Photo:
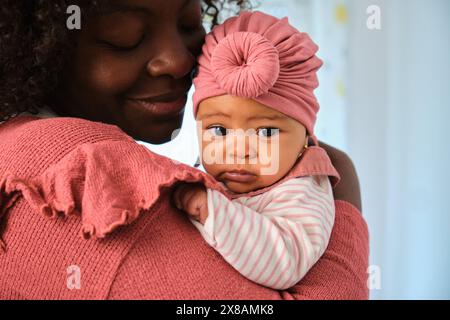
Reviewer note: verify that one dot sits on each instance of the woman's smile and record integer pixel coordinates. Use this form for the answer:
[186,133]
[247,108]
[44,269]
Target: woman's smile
[170,108]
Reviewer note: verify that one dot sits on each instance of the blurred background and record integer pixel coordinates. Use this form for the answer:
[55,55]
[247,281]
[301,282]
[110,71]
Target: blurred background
[385,100]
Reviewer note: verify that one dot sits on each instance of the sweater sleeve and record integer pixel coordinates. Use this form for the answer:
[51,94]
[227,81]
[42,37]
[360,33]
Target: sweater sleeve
[273,239]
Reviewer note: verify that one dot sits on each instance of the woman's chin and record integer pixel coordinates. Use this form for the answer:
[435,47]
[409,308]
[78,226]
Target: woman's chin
[157,133]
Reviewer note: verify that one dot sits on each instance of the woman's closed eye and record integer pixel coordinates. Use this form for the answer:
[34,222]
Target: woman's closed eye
[123,45]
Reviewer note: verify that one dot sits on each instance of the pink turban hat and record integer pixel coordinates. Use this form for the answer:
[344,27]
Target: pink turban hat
[264,58]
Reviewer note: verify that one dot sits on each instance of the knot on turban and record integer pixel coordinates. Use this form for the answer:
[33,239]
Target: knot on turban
[245,64]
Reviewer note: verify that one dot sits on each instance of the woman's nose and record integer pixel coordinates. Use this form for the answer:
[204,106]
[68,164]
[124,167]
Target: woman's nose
[172,58]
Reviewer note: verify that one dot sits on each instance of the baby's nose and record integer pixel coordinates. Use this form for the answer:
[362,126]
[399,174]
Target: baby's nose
[241,147]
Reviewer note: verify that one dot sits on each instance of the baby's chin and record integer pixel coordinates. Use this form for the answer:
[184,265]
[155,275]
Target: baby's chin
[240,188]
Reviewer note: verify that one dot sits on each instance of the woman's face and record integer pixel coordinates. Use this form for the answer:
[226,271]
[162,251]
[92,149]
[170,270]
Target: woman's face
[132,67]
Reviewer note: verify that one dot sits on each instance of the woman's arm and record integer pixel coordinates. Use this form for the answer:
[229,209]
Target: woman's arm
[348,188]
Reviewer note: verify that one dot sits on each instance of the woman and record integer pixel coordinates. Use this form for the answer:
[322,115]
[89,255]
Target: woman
[129,67]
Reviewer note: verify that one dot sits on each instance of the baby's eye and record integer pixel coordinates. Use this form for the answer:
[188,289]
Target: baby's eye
[267,132]
[218,131]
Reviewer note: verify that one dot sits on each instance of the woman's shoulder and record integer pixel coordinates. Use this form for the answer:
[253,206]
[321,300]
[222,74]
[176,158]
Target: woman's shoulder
[40,142]
[60,128]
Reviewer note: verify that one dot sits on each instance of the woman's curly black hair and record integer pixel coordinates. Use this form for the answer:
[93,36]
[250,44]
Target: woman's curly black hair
[34,43]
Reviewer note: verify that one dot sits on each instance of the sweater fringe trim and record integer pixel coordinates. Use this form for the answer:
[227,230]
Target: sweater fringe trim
[12,188]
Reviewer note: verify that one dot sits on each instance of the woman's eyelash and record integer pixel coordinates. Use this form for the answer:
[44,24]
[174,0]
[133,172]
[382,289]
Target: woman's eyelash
[122,48]
[117,47]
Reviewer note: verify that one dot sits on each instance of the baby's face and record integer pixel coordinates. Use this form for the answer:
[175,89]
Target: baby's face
[245,144]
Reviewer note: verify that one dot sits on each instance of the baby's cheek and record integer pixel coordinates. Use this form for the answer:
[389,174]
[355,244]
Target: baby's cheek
[213,152]
[212,169]
[269,158]
[282,161]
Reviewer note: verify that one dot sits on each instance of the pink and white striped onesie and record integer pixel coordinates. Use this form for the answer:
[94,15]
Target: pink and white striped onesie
[272,238]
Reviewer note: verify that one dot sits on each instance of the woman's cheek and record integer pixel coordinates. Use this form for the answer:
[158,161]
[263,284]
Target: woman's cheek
[112,75]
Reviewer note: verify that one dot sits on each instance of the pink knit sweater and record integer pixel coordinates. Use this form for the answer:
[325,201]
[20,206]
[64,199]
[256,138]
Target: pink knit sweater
[84,194]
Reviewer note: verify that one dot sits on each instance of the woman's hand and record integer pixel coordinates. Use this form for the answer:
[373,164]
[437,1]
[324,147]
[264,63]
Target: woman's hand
[192,199]
[348,188]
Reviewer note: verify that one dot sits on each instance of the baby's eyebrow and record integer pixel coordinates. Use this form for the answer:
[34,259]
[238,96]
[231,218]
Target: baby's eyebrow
[215,114]
[259,117]
[267,117]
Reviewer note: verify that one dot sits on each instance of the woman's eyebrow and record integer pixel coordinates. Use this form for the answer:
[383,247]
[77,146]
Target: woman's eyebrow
[120,7]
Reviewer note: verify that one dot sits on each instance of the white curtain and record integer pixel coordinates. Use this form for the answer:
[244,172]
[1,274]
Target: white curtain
[397,135]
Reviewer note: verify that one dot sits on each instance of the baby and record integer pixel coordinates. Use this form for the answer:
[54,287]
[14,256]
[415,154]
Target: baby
[256,110]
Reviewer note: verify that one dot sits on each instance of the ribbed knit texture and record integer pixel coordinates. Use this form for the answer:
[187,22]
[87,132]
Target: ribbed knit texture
[65,178]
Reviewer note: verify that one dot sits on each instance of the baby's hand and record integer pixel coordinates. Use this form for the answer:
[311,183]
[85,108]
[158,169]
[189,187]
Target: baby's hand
[192,199]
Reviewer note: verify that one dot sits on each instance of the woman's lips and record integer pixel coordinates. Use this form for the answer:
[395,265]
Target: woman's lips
[159,108]
[240,176]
